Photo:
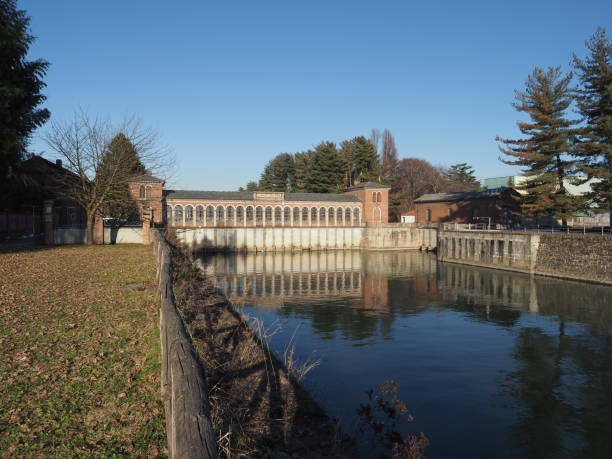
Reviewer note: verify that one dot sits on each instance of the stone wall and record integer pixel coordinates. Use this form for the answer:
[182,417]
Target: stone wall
[579,256]
[398,236]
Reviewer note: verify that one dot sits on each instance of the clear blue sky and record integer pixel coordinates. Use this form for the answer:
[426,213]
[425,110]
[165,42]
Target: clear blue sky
[231,84]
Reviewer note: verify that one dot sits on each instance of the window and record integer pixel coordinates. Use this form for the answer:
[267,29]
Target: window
[230,214]
[148,192]
[278,215]
[373,196]
[339,215]
[189,213]
[347,216]
[356,217]
[268,214]
[313,215]
[249,214]
[220,214]
[210,214]
[178,214]
[330,216]
[240,214]
[287,215]
[304,215]
[259,214]
[322,214]
[296,215]
[141,192]
[428,215]
[379,196]
[199,214]
[450,213]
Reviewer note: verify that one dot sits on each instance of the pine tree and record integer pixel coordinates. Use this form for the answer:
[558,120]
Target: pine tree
[544,153]
[594,100]
[326,172]
[366,165]
[460,177]
[278,173]
[20,91]
[302,163]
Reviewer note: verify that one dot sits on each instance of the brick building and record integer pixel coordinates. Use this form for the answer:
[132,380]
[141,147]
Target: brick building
[362,203]
[495,206]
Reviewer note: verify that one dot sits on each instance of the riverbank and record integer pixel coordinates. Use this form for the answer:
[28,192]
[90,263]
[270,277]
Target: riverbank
[258,407]
[79,352]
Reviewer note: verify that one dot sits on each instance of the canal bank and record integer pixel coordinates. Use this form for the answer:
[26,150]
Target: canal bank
[582,257]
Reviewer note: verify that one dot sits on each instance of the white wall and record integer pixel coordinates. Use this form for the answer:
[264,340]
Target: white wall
[123,235]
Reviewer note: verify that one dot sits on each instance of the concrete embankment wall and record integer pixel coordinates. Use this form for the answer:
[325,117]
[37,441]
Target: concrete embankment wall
[391,236]
[572,256]
[508,250]
[124,235]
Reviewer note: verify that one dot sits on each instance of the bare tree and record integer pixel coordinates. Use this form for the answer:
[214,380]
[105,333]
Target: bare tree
[389,154]
[414,177]
[375,138]
[99,174]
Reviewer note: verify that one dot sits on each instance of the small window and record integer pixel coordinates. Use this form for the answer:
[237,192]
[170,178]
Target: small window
[141,192]
[379,196]
[373,196]
[428,213]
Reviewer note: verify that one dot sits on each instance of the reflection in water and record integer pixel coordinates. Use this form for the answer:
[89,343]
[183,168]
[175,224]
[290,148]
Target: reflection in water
[491,362]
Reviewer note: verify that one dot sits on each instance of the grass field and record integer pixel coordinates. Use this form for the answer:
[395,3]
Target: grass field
[79,353]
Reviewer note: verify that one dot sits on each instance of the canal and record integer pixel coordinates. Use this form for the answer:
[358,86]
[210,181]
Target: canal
[490,363]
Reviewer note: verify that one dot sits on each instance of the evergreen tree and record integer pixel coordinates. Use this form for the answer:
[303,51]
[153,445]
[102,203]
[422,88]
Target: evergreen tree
[278,174]
[121,149]
[544,153]
[252,186]
[366,166]
[594,100]
[326,172]
[460,177]
[302,162]
[20,90]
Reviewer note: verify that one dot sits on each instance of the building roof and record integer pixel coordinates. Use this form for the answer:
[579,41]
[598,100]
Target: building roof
[249,196]
[463,195]
[362,185]
[146,178]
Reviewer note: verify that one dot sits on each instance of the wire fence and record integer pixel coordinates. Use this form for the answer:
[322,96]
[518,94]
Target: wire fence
[602,230]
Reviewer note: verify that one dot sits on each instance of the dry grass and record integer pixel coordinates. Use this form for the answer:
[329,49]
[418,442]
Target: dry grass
[79,354]
[258,407]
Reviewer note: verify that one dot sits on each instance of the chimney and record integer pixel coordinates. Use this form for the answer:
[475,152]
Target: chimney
[58,162]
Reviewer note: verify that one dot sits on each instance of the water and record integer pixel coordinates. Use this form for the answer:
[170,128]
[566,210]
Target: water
[490,363]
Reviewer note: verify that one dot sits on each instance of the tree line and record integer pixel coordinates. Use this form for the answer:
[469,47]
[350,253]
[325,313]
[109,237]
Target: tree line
[331,168]
[557,149]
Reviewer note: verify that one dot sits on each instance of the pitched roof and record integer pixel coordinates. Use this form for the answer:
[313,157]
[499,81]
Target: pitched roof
[248,196]
[146,178]
[362,185]
[463,195]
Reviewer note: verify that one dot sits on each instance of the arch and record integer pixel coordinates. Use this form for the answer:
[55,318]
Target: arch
[199,214]
[178,214]
[240,215]
[356,216]
[141,192]
[188,213]
[347,216]
[287,215]
[339,219]
[210,215]
[278,215]
[250,215]
[331,216]
[268,214]
[313,215]
[168,213]
[230,214]
[296,215]
[322,214]
[304,215]
[220,214]
[258,214]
